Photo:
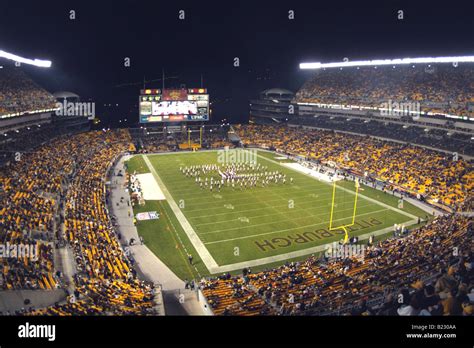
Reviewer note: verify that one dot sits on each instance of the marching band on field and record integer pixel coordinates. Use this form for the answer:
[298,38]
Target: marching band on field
[238,175]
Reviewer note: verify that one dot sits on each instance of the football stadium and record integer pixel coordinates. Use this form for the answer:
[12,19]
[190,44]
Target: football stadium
[347,193]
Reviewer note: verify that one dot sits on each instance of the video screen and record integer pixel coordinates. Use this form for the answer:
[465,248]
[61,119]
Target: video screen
[145,108]
[166,108]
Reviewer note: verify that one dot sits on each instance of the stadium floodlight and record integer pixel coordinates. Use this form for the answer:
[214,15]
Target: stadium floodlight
[36,62]
[398,61]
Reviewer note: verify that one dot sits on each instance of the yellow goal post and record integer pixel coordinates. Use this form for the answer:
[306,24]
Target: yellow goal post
[354,210]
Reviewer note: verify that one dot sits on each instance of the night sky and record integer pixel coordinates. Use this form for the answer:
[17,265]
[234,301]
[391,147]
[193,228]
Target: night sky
[88,52]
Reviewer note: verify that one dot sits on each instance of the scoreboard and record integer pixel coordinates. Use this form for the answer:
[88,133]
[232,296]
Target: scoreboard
[174,105]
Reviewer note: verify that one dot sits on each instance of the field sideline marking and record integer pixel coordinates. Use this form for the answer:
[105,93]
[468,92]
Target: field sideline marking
[180,241]
[204,254]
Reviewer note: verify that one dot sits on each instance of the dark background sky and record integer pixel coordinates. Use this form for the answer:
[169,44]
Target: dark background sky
[88,52]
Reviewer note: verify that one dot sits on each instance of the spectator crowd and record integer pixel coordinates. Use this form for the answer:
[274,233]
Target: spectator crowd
[19,94]
[69,173]
[444,139]
[443,89]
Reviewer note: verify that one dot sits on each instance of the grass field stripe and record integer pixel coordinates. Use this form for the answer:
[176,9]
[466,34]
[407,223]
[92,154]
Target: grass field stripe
[268,200]
[204,254]
[219,203]
[258,216]
[237,192]
[362,196]
[285,230]
[272,207]
[320,222]
[252,217]
[257,209]
[284,198]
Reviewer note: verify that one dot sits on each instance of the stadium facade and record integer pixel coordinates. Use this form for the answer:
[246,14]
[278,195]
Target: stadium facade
[273,105]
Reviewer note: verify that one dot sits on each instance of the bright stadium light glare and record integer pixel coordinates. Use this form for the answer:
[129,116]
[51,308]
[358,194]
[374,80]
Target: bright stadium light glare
[36,62]
[398,61]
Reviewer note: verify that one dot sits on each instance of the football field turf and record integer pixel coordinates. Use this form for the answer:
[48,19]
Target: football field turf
[263,225]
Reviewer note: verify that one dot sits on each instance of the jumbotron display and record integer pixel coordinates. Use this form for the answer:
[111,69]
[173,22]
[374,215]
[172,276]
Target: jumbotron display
[174,105]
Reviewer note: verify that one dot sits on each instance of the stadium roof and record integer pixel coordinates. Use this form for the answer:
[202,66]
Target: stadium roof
[36,62]
[421,60]
[277,91]
[65,94]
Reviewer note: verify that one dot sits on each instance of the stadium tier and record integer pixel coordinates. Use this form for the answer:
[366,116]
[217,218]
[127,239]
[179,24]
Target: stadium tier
[440,89]
[273,105]
[20,95]
[441,137]
[66,177]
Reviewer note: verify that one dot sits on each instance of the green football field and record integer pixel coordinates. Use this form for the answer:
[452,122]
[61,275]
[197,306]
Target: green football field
[256,226]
